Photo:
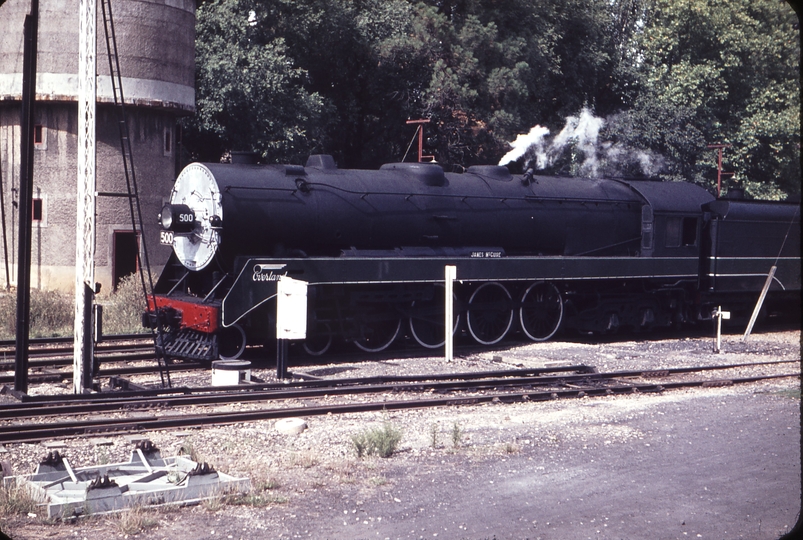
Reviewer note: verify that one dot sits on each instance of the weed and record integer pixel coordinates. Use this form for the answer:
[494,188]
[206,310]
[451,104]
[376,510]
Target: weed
[267,484]
[433,433]
[52,313]
[188,449]
[258,496]
[134,520]
[378,481]
[214,503]
[305,460]
[344,469]
[255,499]
[103,457]
[457,435]
[16,500]
[378,441]
[511,448]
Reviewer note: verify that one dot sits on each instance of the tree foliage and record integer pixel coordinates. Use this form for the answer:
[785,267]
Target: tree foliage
[718,72]
[286,78]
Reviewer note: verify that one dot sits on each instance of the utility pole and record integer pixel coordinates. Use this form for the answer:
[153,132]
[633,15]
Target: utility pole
[420,131]
[719,148]
[31,31]
[83,344]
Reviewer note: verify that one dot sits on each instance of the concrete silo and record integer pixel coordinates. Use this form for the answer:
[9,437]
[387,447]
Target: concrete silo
[155,40]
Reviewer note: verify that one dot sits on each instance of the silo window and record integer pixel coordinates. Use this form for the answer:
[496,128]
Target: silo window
[38,210]
[168,138]
[39,134]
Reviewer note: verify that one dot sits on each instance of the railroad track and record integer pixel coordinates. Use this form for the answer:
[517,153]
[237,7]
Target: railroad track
[51,359]
[49,355]
[51,363]
[65,343]
[444,390]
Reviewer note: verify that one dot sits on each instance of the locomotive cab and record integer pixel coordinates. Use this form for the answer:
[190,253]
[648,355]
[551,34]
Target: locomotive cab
[670,218]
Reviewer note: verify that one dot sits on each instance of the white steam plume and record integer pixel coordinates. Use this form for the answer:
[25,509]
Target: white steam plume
[591,157]
[523,143]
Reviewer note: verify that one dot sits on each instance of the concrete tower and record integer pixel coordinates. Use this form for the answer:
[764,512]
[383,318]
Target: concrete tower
[156,44]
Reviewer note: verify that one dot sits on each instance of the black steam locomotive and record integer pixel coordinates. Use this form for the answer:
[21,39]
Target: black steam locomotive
[533,254]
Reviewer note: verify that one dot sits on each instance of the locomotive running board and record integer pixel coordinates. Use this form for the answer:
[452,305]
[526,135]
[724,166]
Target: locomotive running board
[256,282]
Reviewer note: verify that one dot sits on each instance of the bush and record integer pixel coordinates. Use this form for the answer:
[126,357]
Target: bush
[123,308]
[379,441]
[52,314]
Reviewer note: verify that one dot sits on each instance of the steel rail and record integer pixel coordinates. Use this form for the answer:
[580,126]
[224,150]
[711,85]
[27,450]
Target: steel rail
[216,395]
[107,372]
[316,388]
[238,395]
[45,341]
[62,359]
[305,383]
[38,432]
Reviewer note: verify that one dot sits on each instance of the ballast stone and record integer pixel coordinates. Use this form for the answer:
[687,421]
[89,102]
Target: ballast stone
[290,426]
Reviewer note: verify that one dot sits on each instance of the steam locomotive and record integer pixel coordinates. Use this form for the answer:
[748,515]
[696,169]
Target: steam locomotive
[533,255]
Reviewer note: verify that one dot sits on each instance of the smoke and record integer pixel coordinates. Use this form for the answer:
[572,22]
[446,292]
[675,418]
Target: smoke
[578,151]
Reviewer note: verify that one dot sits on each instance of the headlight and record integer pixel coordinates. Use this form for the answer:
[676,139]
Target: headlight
[178,218]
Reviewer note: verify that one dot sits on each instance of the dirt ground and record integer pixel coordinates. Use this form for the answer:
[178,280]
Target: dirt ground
[712,463]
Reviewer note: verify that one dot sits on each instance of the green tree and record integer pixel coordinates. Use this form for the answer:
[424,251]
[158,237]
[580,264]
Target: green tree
[488,70]
[250,94]
[336,43]
[291,77]
[341,76]
[716,71]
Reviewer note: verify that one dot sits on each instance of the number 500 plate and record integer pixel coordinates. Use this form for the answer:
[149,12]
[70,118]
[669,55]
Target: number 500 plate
[166,238]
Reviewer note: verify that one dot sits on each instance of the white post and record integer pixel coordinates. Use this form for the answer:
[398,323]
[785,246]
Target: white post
[85,194]
[450,275]
[760,302]
[291,318]
[719,314]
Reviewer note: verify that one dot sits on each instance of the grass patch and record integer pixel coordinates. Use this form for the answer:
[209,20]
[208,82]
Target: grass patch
[793,393]
[268,484]
[16,500]
[134,520]
[260,495]
[52,314]
[256,499]
[215,503]
[304,460]
[378,481]
[382,441]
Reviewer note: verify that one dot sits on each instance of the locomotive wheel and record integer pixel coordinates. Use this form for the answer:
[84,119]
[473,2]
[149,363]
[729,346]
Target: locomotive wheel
[489,314]
[231,342]
[378,332]
[427,321]
[541,311]
[319,339]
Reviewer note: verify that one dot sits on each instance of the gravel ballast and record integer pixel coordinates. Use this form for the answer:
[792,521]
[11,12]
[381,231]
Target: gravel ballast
[718,462]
